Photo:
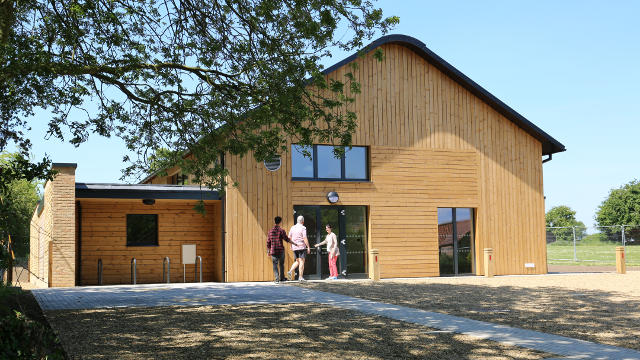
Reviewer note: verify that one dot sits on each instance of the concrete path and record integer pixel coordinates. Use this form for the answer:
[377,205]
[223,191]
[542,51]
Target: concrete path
[268,293]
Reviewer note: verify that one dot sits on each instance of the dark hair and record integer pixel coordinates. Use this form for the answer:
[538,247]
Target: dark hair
[278,219]
[329,226]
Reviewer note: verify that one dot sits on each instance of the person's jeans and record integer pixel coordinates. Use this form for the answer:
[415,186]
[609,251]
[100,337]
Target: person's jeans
[333,269]
[278,264]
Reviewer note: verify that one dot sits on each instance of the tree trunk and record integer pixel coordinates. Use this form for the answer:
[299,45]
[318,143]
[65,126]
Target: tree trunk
[6,20]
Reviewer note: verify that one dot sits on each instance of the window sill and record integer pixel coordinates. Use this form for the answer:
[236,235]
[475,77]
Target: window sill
[332,180]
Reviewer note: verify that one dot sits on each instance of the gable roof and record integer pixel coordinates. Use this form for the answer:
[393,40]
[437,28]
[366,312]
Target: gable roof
[549,144]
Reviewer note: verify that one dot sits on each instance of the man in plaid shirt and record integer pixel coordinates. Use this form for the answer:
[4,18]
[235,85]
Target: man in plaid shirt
[275,248]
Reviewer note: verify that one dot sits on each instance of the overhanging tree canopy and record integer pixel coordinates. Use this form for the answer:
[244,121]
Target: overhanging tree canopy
[165,73]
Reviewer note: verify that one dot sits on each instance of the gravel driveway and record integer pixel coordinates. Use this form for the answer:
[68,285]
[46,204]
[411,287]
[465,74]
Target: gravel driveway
[603,308]
[261,331]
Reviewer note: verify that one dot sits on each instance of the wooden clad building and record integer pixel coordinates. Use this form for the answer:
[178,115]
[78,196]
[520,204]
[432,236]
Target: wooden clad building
[439,170]
[432,148]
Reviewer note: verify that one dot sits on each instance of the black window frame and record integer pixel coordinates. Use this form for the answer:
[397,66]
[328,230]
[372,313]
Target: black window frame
[314,158]
[178,179]
[129,244]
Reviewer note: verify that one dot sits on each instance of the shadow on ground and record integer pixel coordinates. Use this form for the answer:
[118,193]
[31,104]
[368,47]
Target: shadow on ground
[596,316]
[261,331]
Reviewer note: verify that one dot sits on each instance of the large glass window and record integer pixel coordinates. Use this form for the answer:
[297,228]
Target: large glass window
[323,165]
[329,167]
[355,163]
[142,229]
[301,166]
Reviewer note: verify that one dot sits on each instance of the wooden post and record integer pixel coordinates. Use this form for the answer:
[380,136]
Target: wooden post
[621,267]
[374,272]
[488,262]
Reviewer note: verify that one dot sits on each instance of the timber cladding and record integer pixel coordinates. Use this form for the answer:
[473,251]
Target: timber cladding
[103,235]
[432,143]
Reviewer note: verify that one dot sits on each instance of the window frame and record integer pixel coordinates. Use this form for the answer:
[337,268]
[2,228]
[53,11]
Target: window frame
[177,179]
[157,220]
[314,158]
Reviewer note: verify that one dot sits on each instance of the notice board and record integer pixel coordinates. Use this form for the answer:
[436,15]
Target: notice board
[188,254]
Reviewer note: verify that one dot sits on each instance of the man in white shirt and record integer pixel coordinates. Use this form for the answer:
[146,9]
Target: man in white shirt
[300,247]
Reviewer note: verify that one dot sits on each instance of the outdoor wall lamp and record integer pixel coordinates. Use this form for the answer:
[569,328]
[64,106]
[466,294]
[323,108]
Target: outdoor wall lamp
[148,201]
[332,197]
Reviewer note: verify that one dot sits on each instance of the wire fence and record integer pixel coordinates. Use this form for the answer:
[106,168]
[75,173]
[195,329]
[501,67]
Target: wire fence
[593,245]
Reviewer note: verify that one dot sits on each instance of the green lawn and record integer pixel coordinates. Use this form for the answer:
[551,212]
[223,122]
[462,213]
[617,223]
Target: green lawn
[590,254]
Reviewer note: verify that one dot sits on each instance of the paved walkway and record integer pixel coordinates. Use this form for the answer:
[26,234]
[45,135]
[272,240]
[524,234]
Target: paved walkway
[268,293]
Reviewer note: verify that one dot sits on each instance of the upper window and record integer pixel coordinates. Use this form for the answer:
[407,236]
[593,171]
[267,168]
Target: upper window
[142,229]
[178,179]
[324,165]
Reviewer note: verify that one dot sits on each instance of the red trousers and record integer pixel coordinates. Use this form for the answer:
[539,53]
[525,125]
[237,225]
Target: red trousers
[333,269]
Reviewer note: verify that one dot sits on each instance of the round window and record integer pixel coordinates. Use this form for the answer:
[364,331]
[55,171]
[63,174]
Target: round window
[273,164]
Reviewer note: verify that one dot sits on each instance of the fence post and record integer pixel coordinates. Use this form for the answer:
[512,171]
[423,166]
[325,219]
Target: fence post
[623,237]
[575,255]
[621,267]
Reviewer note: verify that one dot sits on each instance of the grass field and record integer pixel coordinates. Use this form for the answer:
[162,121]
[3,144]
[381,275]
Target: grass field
[590,254]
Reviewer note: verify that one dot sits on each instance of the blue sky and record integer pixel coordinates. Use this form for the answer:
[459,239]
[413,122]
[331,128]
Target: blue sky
[570,67]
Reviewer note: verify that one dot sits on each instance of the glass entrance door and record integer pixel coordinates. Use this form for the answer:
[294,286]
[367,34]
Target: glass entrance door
[355,230]
[455,240]
[349,225]
[311,217]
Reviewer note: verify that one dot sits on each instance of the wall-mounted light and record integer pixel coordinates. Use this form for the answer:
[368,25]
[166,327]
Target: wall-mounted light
[332,197]
[148,201]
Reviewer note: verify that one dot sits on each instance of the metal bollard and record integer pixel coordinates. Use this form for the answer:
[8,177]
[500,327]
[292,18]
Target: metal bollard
[489,270]
[199,259]
[166,272]
[621,266]
[374,272]
[99,271]
[133,271]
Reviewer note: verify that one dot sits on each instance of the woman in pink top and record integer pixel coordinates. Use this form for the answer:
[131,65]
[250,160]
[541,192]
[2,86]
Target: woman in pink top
[299,243]
[332,250]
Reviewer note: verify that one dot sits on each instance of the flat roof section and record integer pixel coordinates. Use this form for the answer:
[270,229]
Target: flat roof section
[144,191]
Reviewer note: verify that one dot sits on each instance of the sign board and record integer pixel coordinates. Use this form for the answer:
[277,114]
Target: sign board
[188,254]
[529,265]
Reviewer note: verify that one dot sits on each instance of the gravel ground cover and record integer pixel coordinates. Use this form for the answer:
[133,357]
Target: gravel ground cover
[261,331]
[603,308]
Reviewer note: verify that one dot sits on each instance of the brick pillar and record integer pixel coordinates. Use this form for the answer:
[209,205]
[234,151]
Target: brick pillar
[63,232]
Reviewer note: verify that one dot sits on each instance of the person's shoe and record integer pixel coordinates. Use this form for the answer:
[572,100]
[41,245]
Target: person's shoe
[276,282]
[289,275]
[283,279]
[303,279]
